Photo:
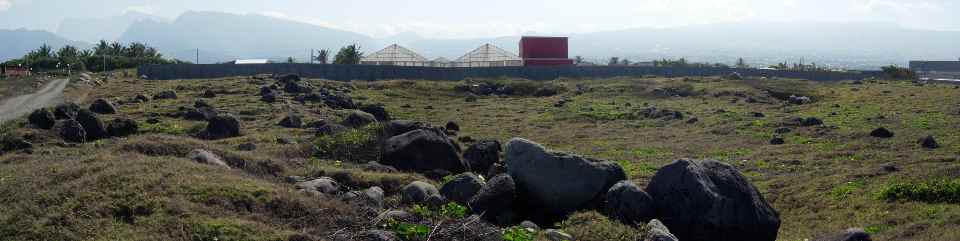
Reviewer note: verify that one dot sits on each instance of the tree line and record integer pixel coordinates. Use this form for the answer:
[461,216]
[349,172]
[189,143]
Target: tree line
[102,56]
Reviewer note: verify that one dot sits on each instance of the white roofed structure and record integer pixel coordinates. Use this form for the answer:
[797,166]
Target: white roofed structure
[252,61]
[488,55]
[395,55]
[440,62]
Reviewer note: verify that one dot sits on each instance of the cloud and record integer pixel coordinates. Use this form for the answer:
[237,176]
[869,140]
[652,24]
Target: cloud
[5,4]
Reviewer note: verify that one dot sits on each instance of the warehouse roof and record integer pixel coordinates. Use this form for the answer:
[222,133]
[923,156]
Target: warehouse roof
[487,53]
[395,53]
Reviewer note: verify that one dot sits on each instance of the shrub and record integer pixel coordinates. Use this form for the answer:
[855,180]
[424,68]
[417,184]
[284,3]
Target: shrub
[409,231]
[356,145]
[897,72]
[589,226]
[517,233]
[938,191]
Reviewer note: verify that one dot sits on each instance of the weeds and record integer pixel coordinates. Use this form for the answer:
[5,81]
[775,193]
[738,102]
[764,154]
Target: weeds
[517,233]
[841,192]
[409,231]
[163,128]
[357,145]
[938,191]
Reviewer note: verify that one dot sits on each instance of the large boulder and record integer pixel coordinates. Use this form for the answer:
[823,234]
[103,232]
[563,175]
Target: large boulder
[291,121]
[358,119]
[482,155]
[656,231]
[853,234]
[166,94]
[207,157]
[371,196]
[92,124]
[554,184]
[710,200]
[296,87]
[399,127]
[929,142]
[121,127]
[462,187]
[42,118]
[417,192]
[102,106]
[198,113]
[377,111]
[66,111]
[221,127]
[71,131]
[629,204]
[422,150]
[339,100]
[319,186]
[495,199]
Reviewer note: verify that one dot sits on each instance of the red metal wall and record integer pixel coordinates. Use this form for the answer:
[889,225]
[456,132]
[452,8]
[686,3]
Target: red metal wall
[543,47]
[547,62]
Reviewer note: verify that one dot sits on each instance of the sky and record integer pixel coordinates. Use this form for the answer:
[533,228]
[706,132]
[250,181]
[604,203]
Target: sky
[492,18]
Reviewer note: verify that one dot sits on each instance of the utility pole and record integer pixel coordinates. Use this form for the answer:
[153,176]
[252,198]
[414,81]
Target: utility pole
[198,56]
[311,56]
[104,63]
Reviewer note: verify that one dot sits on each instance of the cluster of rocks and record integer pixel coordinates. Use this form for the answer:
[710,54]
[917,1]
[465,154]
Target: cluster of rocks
[696,200]
[337,98]
[492,88]
[75,124]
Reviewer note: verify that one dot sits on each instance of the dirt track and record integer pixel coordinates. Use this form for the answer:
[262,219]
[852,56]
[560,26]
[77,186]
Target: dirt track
[21,105]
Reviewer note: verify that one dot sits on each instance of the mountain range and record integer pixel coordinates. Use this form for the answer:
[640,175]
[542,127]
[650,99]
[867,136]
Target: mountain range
[222,37]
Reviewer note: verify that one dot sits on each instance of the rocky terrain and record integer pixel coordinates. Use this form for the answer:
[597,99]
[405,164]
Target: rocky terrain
[285,158]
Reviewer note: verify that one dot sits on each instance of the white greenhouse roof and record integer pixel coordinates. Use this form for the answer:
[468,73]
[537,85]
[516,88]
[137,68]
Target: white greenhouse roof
[394,53]
[488,53]
[252,61]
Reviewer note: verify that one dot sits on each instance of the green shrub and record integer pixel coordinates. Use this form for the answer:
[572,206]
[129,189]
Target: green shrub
[356,145]
[453,210]
[589,226]
[409,231]
[938,191]
[163,128]
[517,233]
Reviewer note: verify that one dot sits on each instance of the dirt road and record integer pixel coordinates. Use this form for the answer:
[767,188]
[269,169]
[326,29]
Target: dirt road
[21,105]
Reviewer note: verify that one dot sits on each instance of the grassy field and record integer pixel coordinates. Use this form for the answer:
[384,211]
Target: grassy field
[823,179]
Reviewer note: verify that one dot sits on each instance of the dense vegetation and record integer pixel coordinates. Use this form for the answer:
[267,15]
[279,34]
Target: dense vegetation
[103,56]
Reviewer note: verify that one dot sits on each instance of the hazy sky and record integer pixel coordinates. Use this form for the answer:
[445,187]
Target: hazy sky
[487,18]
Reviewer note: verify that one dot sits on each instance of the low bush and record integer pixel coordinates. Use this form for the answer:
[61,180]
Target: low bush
[937,191]
[356,145]
[589,226]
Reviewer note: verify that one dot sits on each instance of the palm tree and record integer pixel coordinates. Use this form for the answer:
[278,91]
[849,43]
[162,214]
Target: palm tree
[349,55]
[323,56]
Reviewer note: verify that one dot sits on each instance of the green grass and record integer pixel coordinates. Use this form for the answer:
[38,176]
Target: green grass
[938,191]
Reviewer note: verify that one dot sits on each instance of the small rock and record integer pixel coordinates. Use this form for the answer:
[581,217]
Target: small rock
[247,147]
[693,120]
[358,119]
[122,127]
[530,225]
[331,129]
[166,94]
[377,110]
[799,100]
[294,179]
[758,115]
[206,157]
[320,186]
[208,94]
[201,104]
[471,97]
[782,130]
[453,126]
[889,168]
[881,133]
[929,143]
[853,234]
[397,215]
[141,98]
[418,192]
[102,106]
[436,201]
[777,141]
[377,235]
[377,167]
[269,97]
[557,235]
[656,231]
[811,121]
[285,141]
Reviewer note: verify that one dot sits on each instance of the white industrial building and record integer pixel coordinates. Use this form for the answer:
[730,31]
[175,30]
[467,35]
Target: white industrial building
[395,55]
[488,55]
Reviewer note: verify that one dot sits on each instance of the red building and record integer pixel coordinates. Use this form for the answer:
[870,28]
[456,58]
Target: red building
[544,51]
[12,71]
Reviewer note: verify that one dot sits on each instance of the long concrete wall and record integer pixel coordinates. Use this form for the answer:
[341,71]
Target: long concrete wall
[373,72]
